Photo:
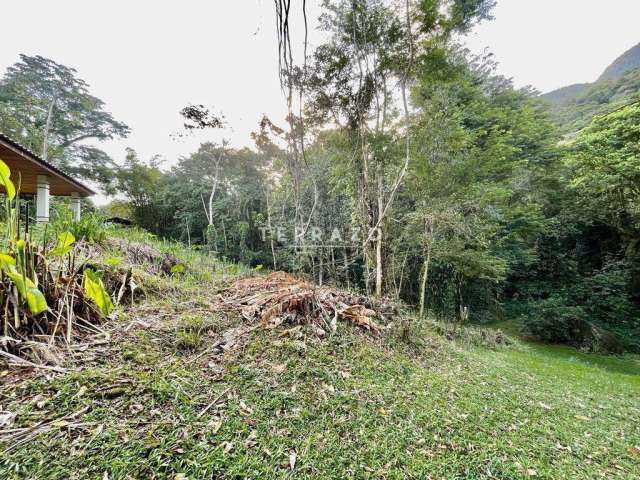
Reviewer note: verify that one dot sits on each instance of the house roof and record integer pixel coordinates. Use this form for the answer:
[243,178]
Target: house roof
[28,165]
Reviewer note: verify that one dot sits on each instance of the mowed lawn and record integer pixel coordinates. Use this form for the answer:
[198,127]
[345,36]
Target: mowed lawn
[286,404]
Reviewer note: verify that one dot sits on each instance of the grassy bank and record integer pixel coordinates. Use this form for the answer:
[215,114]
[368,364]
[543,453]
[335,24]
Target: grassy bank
[159,401]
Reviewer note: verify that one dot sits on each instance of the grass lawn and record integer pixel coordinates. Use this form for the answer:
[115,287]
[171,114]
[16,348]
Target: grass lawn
[159,402]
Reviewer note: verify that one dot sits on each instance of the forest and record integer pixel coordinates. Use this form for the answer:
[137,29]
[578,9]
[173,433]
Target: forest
[406,168]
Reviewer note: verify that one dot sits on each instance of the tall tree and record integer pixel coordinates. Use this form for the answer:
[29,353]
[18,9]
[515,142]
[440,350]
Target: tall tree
[46,106]
[374,49]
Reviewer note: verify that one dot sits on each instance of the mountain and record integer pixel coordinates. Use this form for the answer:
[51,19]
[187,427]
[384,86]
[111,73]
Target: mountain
[572,107]
[629,60]
[567,93]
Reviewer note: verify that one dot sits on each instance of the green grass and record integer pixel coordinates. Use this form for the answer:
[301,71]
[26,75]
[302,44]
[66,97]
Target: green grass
[349,406]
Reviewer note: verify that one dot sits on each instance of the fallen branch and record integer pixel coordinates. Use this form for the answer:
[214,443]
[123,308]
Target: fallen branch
[26,363]
[217,399]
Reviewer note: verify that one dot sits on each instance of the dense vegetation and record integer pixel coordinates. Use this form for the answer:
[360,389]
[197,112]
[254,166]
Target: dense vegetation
[574,112]
[407,168]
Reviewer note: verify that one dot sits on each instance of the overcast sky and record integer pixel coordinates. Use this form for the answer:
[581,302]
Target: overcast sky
[149,58]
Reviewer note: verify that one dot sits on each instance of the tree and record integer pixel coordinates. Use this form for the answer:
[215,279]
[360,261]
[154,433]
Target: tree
[605,158]
[374,48]
[141,182]
[46,106]
[605,161]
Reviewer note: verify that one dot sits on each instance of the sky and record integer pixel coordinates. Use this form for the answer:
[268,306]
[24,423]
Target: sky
[146,59]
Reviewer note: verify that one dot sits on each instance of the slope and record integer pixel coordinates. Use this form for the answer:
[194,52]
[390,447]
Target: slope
[187,388]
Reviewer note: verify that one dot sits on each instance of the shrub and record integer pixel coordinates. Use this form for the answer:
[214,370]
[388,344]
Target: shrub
[555,320]
[90,228]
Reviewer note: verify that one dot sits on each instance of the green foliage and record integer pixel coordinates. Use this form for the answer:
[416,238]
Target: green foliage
[90,228]
[179,268]
[65,244]
[574,111]
[605,158]
[94,288]
[554,321]
[470,205]
[27,289]
[191,330]
[9,187]
[17,262]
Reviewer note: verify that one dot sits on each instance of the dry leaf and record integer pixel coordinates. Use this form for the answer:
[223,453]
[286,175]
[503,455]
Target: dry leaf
[279,368]
[251,439]
[215,425]
[531,472]
[292,460]
[245,407]
[7,418]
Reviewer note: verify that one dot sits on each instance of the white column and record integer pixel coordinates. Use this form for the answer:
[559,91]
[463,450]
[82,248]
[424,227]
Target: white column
[75,205]
[42,199]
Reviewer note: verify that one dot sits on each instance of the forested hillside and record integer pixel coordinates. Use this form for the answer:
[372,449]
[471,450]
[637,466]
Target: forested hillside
[629,60]
[573,107]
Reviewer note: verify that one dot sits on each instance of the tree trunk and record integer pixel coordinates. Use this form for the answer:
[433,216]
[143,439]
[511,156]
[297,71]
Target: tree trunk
[425,277]
[224,237]
[47,128]
[379,239]
[379,263]
[334,274]
[346,266]
[404,263]
[273,250]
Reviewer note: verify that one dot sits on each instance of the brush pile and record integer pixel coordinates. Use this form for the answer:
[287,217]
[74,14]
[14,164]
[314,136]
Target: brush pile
[137,253]
[282,298]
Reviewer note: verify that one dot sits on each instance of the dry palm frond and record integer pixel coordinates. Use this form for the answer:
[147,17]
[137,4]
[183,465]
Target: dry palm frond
[274,298]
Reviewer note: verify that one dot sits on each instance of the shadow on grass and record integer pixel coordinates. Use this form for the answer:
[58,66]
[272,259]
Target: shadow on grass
[628,364]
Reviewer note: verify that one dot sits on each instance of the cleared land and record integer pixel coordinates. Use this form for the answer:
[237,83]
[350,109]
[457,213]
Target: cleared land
[184,389]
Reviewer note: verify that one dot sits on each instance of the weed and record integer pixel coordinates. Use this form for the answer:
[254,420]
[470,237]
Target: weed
[191,331]
[90,228]
[188,340]
[491,338]
[45,290]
